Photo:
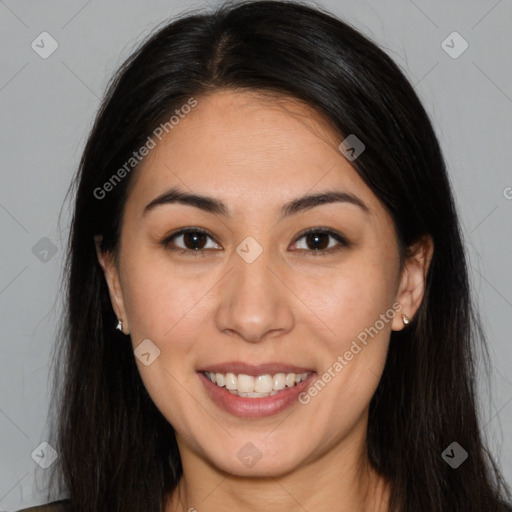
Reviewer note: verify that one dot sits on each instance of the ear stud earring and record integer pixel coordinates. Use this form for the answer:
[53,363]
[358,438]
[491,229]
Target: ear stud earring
[405,319]
[119,326]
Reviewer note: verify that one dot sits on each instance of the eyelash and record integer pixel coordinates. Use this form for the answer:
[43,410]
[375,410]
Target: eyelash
[343,243]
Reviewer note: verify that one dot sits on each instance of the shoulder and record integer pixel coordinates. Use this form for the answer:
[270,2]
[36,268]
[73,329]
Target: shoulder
[54,506]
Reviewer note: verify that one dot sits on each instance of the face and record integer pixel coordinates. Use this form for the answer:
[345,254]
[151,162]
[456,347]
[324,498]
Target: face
[250,292]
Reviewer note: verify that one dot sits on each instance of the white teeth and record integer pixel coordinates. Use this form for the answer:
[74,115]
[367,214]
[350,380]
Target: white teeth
[279,381]
[290,380]
[245,384]
[229,380]
[256,387]
[263,384]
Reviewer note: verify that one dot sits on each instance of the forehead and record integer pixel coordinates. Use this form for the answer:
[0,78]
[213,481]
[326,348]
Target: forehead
[250,149]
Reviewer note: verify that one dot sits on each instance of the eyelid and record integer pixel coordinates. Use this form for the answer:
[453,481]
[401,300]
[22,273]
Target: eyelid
[343,242]
[341,239]
[183,231]
[323,229]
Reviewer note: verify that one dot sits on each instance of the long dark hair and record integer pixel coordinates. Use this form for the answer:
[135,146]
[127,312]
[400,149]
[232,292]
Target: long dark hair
[116,450]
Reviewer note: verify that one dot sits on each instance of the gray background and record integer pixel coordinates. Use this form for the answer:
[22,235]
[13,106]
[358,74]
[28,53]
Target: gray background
[47,107]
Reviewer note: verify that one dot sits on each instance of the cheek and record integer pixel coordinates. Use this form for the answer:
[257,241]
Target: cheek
[351,299]
[164,306]
[160,298]
[355,305]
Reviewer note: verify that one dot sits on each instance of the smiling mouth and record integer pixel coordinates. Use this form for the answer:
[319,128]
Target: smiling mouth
[259,386]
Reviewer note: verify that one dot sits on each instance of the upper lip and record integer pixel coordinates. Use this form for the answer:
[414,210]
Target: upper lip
[254,370]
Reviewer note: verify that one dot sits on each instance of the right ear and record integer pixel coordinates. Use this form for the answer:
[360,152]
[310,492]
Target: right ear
[111,272]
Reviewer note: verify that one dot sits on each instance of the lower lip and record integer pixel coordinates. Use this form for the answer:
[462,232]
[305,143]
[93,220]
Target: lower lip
[254,407]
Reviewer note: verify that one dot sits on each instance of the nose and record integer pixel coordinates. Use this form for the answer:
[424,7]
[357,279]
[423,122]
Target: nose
[255,302]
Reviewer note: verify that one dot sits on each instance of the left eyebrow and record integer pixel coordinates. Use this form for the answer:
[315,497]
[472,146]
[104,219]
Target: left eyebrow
[216,206]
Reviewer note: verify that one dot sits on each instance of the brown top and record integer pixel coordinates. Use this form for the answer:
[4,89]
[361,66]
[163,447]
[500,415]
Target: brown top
[54,506]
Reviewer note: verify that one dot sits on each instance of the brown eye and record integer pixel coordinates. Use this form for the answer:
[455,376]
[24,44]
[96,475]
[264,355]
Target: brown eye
[317,241]
[190,240]
[194,240]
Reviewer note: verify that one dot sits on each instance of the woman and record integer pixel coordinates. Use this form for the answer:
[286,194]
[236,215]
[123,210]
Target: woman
[268,301]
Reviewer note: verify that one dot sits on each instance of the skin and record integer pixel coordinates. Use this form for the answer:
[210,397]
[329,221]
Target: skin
[255,154]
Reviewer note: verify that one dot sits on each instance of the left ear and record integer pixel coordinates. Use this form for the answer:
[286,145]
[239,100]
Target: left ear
[413,278]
